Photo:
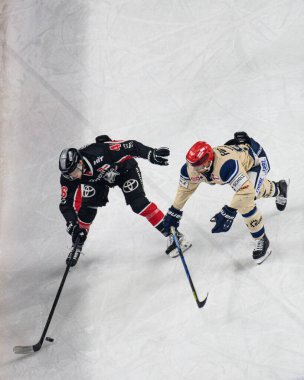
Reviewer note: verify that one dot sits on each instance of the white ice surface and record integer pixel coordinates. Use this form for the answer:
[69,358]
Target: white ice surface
[166,73]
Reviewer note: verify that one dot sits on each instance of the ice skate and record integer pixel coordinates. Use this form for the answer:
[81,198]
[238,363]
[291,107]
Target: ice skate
[171,246]
[262,250]
[281,199]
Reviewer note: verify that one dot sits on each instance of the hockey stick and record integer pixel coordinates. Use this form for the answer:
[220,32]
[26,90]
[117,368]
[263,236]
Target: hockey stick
[200,304]
[37,346]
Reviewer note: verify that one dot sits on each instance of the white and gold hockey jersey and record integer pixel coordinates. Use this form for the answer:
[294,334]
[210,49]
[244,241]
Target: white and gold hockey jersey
[244,168]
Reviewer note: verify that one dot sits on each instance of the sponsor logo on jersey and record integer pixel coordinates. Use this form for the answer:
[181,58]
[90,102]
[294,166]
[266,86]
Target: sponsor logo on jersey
[98,160]
[88,191]
[128,145]
[238,181]
[97,179]
[183,182]
[255,222]
[130,185]
[115,147]
[196,179]
[264,165]
[259,185]
[103,168]
[139,175]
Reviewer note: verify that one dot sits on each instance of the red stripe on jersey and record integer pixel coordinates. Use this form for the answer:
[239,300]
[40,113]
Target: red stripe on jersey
[123,159]
[77,199]
[153,214]
[84,225]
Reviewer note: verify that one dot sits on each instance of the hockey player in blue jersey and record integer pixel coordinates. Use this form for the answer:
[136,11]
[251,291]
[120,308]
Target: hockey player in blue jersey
[243,164]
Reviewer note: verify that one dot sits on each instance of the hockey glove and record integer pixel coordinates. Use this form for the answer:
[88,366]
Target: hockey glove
[75,231]
[172,219]
[223,219]
[157,156]
[109,173]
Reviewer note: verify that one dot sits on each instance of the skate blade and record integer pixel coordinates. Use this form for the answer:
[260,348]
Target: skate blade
[173,254]
[263,258]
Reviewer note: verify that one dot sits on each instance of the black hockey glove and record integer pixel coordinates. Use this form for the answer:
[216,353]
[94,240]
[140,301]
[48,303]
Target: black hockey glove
[239,138]
[172,219]
[75,231]
[223,219]
[157,156]
[109,173]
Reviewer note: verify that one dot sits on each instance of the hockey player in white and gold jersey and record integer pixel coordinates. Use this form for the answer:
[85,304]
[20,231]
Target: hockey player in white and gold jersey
[242,163]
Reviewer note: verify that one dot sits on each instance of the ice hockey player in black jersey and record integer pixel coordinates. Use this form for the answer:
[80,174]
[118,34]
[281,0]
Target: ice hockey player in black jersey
[243,164]
[87,175]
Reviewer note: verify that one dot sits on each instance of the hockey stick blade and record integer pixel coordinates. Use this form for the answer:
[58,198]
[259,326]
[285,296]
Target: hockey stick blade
[201,304]
[27,349]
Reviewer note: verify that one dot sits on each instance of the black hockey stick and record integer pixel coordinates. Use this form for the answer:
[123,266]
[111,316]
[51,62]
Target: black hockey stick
[200,304]
[37,346]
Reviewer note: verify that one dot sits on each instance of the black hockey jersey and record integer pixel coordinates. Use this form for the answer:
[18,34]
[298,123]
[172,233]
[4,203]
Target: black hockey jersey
[97,158]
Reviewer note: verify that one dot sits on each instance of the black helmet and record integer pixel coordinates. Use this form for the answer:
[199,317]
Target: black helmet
[68,160]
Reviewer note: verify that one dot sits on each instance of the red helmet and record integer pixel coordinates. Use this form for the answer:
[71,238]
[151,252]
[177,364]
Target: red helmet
[199,153]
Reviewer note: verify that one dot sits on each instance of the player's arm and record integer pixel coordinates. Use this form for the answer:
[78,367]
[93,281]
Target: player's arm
[185,189]
[68,201]
[133,148]
[234,174]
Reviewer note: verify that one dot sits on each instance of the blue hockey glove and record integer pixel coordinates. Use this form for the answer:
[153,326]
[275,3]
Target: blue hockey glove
[172,219]
[157,156]
[223,219]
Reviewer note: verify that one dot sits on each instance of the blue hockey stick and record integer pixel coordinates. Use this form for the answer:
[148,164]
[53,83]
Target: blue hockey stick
[200,304]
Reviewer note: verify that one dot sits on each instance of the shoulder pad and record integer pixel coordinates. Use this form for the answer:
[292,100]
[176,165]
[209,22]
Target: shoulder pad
[85,147]
[184,178]
[184,172]
[229,170]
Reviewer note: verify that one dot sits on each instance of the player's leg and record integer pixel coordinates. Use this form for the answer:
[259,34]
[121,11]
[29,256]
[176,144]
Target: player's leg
[255,224]
[278,190]
[93,196]
[131,185]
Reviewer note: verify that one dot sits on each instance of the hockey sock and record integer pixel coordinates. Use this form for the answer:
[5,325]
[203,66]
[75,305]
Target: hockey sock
[154,216]
[254,223]
[269,189]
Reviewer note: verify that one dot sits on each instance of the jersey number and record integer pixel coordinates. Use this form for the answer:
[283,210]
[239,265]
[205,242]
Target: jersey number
[223,152]
[64,192]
